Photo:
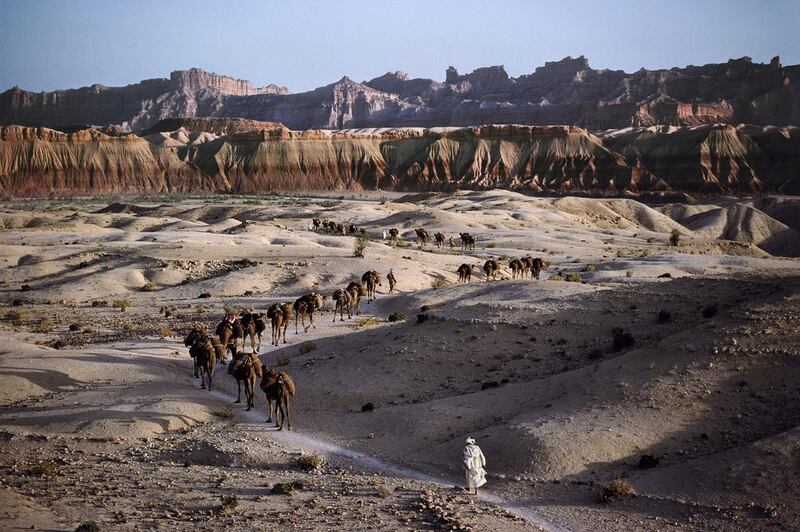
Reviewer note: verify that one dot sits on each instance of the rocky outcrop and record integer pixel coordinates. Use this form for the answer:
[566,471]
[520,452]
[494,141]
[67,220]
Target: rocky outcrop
[567,92]
[558,159]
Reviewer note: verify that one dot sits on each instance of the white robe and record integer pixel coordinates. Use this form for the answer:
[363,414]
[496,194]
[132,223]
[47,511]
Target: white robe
[474,463]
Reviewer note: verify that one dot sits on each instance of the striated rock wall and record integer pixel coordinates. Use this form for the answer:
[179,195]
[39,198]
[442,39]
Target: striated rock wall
[559,159]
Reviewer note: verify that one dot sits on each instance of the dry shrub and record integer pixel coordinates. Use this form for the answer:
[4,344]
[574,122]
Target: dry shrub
[596,354]
[573,277]
[122,304]
[45,469]
[282,361]
[43,326]
[200,309]
[229,504]
[129,326]
[165,331]
[397,316]
[286,488]
[555,277]
[616,490]
[15,317]
[149,287]
[628,274]
[438,282]
[360,245]
[310,462]
[675,237]
[307,347]
[225,412]
[591,267]
[365,322]
[491,245]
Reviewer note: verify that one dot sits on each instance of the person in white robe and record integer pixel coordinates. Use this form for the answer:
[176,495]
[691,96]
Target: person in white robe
[474,463]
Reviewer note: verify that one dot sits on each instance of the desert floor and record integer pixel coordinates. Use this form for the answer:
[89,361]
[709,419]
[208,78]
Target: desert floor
[687,353]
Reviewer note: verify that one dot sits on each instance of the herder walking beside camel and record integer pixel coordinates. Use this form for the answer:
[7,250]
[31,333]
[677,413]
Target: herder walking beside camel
[474,463]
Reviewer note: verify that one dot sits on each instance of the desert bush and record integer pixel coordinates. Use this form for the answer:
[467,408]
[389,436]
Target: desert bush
[491,245]
[438,282]
[710,311]
[397,316]
[591,267]
[616,490]
[129,326]
[75,327]
[365,322]
[225,412]
[360,245]
[200,309]
[621,339]
[99,303]
[573,277]
[229,504]
[664,316]
[286,488]
[675,237]
[15,317]
[45,469]
[310,462]
[555,277]
[165,331]
[629,274]
[282,361]
[149,287]
[122,304]
[43,326]
[307,347]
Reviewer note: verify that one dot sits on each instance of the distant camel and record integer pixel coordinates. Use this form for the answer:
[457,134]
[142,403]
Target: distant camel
[306,306]
[278,387]
[329,226]
[253,324]
[394,234]
[279,314]
[229,331]
[439,237]
[491,269]
[339,229]
[422,236]
[316,222]
[353,228]
[392,280]
[204,350]
[465,272]
[467,242]
[517,268]
[245,369]
[536,267]
[344,302]
[357,291]
[371,279]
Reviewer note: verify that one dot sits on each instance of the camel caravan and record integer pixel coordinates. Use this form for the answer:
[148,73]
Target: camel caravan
[208,351]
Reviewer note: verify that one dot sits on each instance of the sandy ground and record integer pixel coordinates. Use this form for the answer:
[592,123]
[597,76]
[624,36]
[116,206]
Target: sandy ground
[102,420]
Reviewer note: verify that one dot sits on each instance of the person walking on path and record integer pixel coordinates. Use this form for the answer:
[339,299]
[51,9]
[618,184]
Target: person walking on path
[392,281]
[474,463]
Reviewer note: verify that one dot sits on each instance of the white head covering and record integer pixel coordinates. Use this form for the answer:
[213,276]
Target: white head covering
[470,440]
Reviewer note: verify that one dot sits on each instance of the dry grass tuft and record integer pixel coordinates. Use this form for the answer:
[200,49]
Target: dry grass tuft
[573,277]
[365,322]
[43,326]
[438,282]
[591,267]
[149,287]
[165,331]
[122,304]
[226,412]
[229,504]
[616,490]
[15,317]
[310,462]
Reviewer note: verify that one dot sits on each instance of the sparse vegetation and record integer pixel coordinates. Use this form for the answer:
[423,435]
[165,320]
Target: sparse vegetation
[149,287]
[365,322]
[555,277]
[307,347]
[99,303]
[165,331]
[675,237]
[282,361]
[573,277]
[591,267]
[616,490]
[45,469]
[200,309]
[43,326]
[310,462]
[360,245]
[286,488]
[15,317]
[122,304]
[438,282]
[129,326]
[397,316]
[629,274]
[229,504]
[225,412]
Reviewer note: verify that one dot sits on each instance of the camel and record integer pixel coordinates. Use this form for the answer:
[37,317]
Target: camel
[229,331]
[316,223]
[204,350]
[253,324]
[278,387]
[392,280]
[465,272]
[353,228]
[439,238]
[422,236]
[536,267]
[394,234]
[306,306]
[491,269]
[371,279]
[517,268]
[329,226]
[279,314]
[344,301]
[245,369]
[340,229]
[467,242]
[357,291]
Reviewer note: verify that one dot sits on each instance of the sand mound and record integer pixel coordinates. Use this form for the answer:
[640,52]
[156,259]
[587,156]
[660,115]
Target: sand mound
[616,213]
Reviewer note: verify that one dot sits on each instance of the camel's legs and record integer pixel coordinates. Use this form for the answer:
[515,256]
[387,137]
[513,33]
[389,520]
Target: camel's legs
[238,391]
[288,418]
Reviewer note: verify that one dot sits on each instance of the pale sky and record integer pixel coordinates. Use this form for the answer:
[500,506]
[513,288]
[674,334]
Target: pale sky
[303,44]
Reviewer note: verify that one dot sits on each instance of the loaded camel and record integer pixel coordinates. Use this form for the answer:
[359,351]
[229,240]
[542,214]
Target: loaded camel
[422,236]
[279,314]
[344,301]
[439,238]
[394,234]
[518,268]
[253,324]
[306,306]
[491,269]
[357,291]
[245,369]
[316,223]
[467,242]
[278,387]
[229,331]
[371,279]
[204,350]
[465,272]
[534,265]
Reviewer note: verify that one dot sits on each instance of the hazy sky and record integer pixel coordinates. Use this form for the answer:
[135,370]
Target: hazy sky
[46,45]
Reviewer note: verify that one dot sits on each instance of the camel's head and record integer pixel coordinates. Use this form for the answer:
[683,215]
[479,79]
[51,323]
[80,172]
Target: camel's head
[195,335]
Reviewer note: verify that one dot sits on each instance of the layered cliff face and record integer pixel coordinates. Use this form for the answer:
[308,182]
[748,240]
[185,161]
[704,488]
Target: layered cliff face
[567,92]
[559,159]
